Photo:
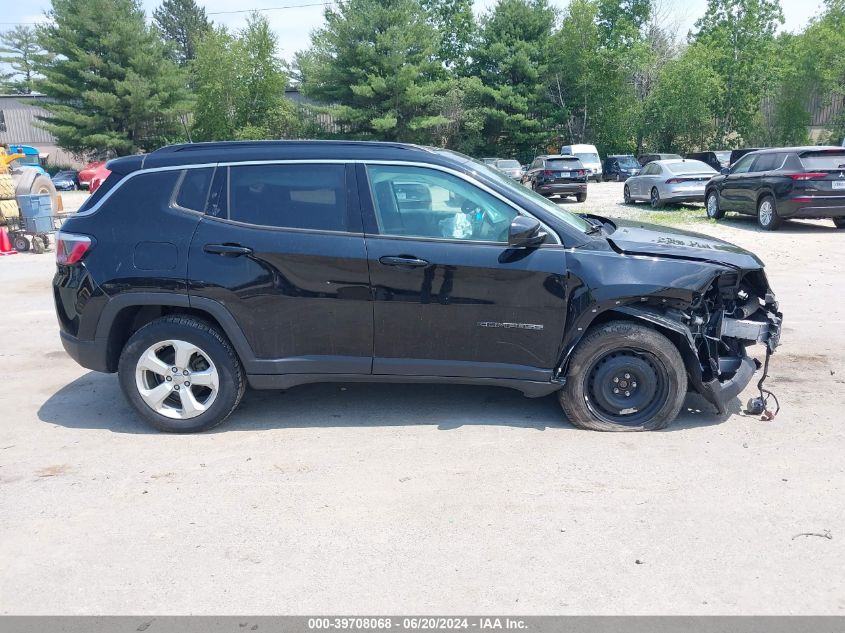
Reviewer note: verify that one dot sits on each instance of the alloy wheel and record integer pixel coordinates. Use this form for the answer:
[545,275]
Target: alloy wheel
[767,212]
[177,379]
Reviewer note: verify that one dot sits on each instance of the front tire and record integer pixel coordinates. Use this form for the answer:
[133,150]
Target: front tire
[624,377]
[181,375]
[655,200]
[767,214]
[581,197]
[712,204]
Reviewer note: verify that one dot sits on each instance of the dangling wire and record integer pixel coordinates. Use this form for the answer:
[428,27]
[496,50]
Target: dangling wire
[765,394]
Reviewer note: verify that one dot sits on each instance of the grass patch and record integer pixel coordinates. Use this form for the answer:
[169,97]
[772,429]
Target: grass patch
[676,215]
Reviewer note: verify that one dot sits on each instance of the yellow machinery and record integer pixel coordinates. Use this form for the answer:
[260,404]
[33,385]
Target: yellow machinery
[8,204]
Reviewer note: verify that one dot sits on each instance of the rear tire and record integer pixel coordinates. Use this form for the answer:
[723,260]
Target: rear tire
[656,202]
[581,197]
[712,205]
[839,223]
[626,196]
[624,377]
[767,214]
[147,361]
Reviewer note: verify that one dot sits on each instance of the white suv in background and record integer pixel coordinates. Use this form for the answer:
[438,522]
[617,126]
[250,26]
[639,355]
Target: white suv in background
[589,157]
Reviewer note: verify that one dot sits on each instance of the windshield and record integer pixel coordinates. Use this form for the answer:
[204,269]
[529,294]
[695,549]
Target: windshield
[511,185]
[507,164]
[690,167]
[628,162]
[588,158]
[826,160]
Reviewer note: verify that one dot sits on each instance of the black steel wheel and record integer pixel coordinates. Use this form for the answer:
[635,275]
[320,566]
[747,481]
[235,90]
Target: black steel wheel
[624,377]
[627,387]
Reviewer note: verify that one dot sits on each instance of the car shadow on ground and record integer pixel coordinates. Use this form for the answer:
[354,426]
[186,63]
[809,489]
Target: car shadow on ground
[94,401]
[749,223]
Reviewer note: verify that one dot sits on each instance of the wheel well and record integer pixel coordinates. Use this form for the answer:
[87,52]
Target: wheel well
[677,339]
[132,318]
[764,194]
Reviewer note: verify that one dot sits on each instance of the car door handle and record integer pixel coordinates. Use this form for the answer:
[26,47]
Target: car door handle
[227,250]
[403,260]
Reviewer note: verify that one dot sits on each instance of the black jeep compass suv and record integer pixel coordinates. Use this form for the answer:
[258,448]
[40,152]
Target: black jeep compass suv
[198,269]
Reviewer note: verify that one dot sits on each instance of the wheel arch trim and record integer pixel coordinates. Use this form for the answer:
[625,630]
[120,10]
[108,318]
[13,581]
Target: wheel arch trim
[213,308]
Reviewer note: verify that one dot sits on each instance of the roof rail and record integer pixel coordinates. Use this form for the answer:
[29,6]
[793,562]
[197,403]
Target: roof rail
[211,145]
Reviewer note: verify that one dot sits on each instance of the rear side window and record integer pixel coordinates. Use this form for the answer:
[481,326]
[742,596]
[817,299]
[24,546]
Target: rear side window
[289,196]
[193,189]
[108,184]
[768,162]
[824,160]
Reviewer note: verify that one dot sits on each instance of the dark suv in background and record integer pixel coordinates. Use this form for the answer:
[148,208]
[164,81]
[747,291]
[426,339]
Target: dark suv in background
[717,160]
[782,183]
[198,269]
[620,167]
[557,174]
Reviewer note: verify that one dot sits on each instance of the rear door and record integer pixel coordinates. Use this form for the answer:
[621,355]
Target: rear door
[281,248]
[450,297]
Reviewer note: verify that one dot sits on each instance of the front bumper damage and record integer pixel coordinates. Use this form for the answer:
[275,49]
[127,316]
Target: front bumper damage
[737,311]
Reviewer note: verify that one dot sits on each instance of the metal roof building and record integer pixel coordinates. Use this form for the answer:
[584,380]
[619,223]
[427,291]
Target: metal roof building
[18,125]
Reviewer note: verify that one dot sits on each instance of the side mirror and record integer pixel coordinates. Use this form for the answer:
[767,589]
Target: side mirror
[725,171]
[525,232]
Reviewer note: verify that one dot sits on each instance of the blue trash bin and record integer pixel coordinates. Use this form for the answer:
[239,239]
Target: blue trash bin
[36,213]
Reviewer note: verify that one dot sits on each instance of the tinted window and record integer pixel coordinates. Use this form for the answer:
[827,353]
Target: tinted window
[218,196]
[628,162]
[108,184]
[768,162]
[743,165]
[507,164]
[193,189]
[289,196]
[826,160]
[420,202]
[564,163]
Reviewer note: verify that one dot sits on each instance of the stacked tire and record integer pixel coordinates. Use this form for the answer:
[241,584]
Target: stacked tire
[8,204]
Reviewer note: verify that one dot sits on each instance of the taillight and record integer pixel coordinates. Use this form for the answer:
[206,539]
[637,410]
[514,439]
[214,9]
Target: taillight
[70,247]
[810,175]
[582,172]
[547,172]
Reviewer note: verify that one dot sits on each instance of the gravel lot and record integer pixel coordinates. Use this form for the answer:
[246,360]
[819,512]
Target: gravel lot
[420,499]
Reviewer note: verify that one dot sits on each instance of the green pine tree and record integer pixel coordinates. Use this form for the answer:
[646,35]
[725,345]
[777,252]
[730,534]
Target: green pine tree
[112,88]
[182,24]
[19,49]
[375,63]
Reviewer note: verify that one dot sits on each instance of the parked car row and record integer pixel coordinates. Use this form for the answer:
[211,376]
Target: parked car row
[772,184]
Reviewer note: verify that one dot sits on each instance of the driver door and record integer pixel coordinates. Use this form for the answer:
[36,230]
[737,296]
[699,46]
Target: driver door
[449,297]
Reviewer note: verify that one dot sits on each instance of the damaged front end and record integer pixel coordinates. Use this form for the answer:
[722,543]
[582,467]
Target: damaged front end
[737,310]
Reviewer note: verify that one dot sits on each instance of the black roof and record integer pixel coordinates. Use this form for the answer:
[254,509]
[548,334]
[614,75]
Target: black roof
[235,151]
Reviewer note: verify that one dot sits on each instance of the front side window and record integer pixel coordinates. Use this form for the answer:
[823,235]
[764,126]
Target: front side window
[743,165]
[307,196]
[428,203]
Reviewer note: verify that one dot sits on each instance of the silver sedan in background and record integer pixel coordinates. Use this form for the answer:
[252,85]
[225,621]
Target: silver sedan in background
[669,181]
[510,168]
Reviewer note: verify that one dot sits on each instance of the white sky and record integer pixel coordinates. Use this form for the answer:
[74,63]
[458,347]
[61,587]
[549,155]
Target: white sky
[294,25]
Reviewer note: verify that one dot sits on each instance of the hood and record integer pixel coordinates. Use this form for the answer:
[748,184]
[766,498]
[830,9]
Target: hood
[638,238]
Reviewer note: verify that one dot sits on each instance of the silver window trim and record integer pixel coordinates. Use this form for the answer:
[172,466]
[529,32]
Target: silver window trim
[330,161]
